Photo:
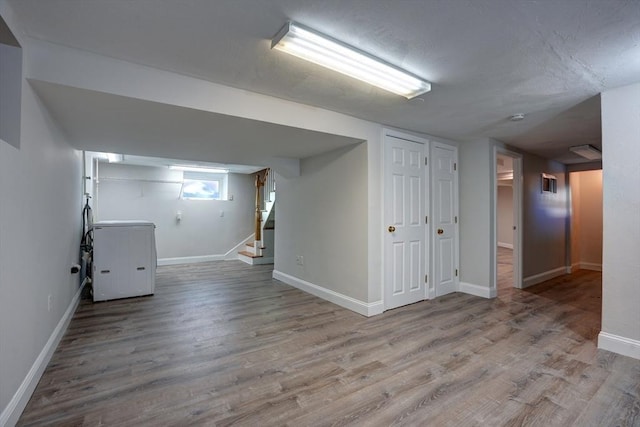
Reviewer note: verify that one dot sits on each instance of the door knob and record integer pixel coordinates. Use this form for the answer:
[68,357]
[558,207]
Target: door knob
[391,229]
[440,231]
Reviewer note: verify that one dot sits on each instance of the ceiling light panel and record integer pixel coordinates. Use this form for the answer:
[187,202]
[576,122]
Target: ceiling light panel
[337,56]
[587,151]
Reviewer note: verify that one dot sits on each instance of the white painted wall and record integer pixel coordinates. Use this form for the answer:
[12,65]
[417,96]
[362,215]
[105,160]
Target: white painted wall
[476,203]
[202,231]
[586,219]
[505,215]
[321,215]
[40,222]
[621,220]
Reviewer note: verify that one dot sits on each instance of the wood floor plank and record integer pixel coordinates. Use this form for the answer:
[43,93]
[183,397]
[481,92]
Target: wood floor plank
[224,344]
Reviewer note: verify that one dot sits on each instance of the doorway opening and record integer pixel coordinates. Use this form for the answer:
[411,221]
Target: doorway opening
[586,220]
[508,220]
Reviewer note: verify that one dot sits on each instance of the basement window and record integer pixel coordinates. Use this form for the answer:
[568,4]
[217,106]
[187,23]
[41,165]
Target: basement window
[211,187]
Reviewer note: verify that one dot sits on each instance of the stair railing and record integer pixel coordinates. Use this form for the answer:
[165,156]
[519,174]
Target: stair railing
[261,179]
[269,187]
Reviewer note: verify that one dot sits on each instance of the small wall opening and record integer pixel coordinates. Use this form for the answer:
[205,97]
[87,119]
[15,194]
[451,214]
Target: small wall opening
[10,86]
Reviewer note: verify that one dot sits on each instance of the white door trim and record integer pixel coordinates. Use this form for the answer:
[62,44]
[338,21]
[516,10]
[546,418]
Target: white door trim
[427,208]
[517,218]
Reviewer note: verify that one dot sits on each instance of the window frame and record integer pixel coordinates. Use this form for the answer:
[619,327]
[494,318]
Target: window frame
[220,178]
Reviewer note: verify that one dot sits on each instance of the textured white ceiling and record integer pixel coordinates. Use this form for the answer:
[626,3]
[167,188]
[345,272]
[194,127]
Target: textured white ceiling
[487,59]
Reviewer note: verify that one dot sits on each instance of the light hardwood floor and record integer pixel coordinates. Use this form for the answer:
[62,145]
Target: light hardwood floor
[505,269]
[223,344]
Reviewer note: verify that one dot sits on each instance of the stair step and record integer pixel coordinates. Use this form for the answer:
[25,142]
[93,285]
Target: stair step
[252,244]
[249,254]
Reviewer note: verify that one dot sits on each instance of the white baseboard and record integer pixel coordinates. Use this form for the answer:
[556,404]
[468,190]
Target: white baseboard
[617,344]
[505,245]
[360,307]
[190,259]
[542,277]
[230,255]
[11,413]
[591,266]
[585,266]
[477,290]
[255,261]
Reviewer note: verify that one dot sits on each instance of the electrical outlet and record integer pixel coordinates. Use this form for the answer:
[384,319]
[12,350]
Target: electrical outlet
[300,260]
[49,301]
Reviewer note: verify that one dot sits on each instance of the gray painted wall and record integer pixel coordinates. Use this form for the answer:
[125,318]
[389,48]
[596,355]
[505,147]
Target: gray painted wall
[545,217]
[40,227]
[322,215]
[621,215]
[201,232]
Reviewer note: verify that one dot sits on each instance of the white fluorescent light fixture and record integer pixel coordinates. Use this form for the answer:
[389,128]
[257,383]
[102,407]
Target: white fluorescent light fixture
[587,151]
[335,55]
[115,158]
[197,169]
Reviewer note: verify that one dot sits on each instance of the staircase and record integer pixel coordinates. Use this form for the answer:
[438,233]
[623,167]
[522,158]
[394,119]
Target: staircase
[261,250]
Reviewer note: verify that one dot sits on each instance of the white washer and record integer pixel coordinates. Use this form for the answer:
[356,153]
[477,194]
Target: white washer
[124,259]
